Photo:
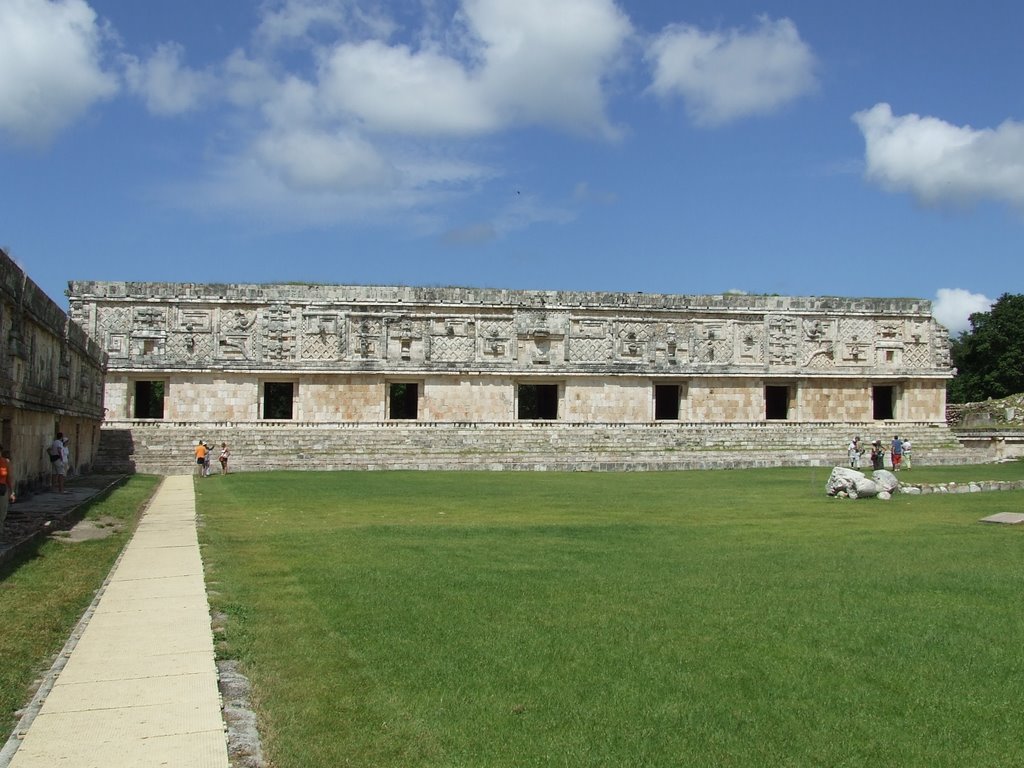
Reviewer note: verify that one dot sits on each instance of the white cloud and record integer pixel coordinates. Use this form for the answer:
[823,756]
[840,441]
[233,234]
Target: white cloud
[315,160]
[167,87]
[526,63]
[724,76]
[381,126]
[546,63]
[953,306]
[298,21]
[393,89]
[50,67]
[943,163]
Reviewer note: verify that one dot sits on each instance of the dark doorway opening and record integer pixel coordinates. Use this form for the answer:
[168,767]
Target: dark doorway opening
[538,401]
[666,402]
[776,402]
[149,400]
[883,399]
[403,401]
[278,397]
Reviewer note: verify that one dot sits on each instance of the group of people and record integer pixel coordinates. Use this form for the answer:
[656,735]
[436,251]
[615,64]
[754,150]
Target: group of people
[204,454]
[60,460]
[899,452]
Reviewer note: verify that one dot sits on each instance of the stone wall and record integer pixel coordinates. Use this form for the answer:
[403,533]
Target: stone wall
[469,352]
[51,379]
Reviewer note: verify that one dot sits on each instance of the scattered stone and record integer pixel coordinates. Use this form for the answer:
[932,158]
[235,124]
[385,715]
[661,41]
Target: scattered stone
[244,747]
[884,495]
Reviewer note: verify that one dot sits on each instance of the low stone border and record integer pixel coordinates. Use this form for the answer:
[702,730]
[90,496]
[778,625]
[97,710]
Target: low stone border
[985,485]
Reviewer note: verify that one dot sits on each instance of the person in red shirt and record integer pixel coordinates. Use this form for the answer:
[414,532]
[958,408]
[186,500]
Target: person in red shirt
[6,485]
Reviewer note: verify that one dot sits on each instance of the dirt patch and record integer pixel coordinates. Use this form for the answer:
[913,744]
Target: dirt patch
[89,530]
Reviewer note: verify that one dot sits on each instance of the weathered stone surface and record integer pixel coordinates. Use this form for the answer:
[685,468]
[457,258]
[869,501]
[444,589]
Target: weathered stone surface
[886,480]
[467,350]
[1005,518]
[843,480]
[867,488]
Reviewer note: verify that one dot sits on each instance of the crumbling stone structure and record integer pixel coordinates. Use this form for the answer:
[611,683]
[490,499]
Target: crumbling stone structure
[51,379]
[209,358]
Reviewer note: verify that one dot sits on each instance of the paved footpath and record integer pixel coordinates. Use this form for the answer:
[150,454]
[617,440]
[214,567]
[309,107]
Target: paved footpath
[140,686]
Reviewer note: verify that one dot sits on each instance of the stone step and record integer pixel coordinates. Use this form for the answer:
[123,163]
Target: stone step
[160,447]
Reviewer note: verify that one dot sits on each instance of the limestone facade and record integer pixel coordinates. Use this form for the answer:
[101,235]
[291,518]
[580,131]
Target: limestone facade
[51,379]
[319,354]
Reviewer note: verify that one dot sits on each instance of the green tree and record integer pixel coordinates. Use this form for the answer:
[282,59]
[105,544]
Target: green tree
[989,358]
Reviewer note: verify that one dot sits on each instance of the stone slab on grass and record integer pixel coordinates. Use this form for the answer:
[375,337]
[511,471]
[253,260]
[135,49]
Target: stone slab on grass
[1006,518]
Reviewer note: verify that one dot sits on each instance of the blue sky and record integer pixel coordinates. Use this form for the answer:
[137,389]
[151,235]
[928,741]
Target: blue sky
[804,147]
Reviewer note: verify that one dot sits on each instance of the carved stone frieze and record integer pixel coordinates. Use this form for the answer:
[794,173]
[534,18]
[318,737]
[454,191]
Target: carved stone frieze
[634,342]
[712,343]
[750,337]
[322,336]
[496,339]
[367,337]
[541,335]
[278,337]
[782,340]
[819,343]
[334,328]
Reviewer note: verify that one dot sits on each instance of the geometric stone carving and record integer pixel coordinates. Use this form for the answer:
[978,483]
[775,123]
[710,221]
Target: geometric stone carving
[195,320]
[367,337]
[406,339]
[712,343]
[541,336]
[321,336]
[750,343]
[590,350]
[496,339]
[782,340]
[150,318]
[278,339]
[633,341]
[856,342]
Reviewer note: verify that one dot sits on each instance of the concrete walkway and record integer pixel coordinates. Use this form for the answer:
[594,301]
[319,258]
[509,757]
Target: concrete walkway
[140,686]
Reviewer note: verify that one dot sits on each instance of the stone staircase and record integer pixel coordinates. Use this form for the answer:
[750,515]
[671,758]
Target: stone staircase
[167,447]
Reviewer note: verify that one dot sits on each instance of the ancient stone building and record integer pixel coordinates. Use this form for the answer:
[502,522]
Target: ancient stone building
[207,358]
[51,379]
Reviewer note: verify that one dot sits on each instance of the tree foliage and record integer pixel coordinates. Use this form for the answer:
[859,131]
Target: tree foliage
[989,358]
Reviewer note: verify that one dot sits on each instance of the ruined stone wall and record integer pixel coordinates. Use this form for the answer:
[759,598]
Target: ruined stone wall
[468,351]
[51,378]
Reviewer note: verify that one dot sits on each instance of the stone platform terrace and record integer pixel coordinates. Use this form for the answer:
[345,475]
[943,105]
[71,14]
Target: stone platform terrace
[163,447]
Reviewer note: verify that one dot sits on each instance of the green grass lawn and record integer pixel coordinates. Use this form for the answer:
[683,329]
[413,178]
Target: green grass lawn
[726,618]
[44,593]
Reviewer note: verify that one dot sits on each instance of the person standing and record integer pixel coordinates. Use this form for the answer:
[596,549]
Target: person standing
[854,451]
[206,459]
[6,486]
[877,455]
[907,446]
[54,452]
[897,453]
[62,465]
[225,454]
[58,469]
[200,457]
